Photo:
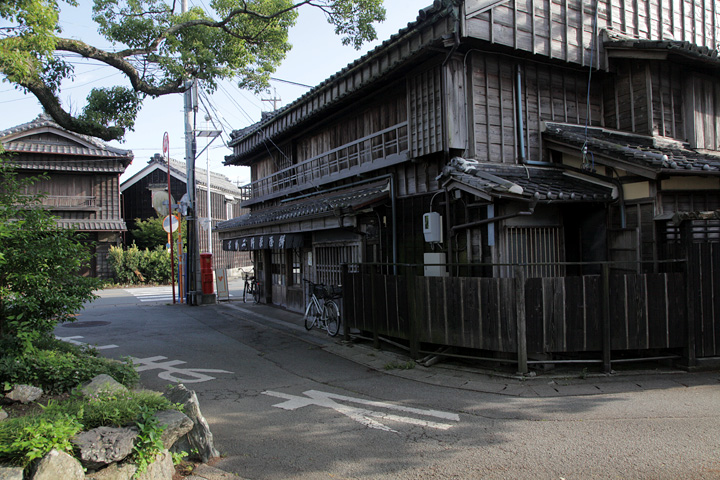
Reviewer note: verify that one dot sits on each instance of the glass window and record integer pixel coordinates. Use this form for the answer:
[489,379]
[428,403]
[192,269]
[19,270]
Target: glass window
[278,267]
[296,266]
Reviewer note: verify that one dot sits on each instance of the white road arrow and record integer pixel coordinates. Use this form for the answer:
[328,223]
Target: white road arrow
[363,415]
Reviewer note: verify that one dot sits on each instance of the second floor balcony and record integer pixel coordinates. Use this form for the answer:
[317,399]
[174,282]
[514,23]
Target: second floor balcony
[68,202]
[379,150]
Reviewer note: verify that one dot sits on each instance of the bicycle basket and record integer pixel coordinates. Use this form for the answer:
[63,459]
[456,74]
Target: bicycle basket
[335,291]
[320,290]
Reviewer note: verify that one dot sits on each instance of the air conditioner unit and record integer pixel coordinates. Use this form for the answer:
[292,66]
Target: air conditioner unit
[432,227]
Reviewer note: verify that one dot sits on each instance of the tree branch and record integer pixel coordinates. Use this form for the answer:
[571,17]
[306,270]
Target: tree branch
[117,61]
[52,106]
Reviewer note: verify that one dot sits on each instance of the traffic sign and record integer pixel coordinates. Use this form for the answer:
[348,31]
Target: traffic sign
[175,223]
[166,144]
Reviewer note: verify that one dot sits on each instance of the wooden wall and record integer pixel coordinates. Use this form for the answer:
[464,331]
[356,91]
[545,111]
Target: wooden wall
[703,107]
[646,97]
[549,93]
[362,120]
[425,111]
[563,29]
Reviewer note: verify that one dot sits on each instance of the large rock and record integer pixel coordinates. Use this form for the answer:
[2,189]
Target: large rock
[24,393]
[3,416]
[56,465]
[115,471]
[200,438]
[175,424]
[104,445]
[11,473]
[161,469]
[103,384]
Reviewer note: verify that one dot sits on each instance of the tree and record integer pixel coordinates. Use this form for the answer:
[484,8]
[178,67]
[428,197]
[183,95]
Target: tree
[39,265]
[149,233]
[161,49]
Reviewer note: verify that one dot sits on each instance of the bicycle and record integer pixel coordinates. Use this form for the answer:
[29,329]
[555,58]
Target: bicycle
[251,288]
[322,311]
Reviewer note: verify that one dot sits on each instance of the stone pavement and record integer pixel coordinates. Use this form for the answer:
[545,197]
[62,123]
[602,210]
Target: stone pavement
[559,382]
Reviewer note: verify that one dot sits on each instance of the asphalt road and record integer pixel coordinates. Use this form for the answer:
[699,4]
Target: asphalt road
[281,405]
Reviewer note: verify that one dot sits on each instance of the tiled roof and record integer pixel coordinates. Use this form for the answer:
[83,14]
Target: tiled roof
[437,10]
[86,166]
[92,225]
[652,153]
[21,139]
[217,181]
[335,203]
[617,40]
[522,182]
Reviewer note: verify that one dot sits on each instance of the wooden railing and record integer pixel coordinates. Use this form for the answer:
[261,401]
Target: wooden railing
[375,151]
[67,202]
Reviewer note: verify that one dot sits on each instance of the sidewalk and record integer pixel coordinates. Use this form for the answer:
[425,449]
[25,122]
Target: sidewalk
[463,375]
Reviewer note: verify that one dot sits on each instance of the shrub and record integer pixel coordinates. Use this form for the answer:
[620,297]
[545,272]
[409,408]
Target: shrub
[28,438]
[134,266]
[59,370]
[109,409]
[39,264]
[25,439]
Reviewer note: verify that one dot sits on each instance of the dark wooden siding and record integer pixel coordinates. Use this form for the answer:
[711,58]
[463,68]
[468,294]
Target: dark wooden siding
[562,314]
[548,94]
[424,92]
[365,118]
[703,111]
[137,199]
[563,29]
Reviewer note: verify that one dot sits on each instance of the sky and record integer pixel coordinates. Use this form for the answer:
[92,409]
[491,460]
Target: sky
[317,54]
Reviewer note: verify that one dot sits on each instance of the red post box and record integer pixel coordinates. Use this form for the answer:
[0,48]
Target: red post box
[206,273]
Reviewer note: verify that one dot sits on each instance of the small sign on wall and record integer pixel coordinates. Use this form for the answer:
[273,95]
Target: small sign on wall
[221,282]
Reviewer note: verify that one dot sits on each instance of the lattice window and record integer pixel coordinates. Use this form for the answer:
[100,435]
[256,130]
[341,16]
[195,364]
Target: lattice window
[329,260]
[540,249]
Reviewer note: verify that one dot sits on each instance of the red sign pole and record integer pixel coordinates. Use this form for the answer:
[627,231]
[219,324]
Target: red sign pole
[166,154]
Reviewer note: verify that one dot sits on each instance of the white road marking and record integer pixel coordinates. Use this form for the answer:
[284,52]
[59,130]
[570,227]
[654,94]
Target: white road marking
[363,415]
[74,341]
[155,294]
[172,374]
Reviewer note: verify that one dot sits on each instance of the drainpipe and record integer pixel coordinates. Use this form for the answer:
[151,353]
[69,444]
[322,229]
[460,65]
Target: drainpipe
[519,113]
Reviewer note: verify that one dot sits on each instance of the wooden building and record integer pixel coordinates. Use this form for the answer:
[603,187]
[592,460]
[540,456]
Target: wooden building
[82,188]
[143,195]
[552,134]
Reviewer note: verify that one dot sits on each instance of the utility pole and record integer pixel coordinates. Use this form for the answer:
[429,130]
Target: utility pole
[274,100]
[193,254]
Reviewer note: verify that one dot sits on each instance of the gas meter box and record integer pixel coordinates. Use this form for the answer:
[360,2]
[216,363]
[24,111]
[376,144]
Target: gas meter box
[432,227]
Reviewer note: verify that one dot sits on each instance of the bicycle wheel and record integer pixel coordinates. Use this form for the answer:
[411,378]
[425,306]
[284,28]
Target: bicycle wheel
[331,312]
[312,313]
[246,291]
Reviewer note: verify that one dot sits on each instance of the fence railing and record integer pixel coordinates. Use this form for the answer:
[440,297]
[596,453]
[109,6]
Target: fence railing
[591,318]
[338,162]
[67,201]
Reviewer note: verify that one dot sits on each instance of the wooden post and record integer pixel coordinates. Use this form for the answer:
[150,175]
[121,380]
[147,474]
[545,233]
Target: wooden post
[345,278]
[373,309]
[520,319]
[605,308]
[412,313]
[692,287]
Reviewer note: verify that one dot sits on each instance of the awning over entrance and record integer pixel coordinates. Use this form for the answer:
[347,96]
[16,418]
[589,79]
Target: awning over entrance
[278,241]
[298,215]
[522,182]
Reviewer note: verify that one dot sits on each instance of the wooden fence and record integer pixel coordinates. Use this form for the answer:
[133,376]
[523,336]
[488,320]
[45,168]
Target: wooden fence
[594,316]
